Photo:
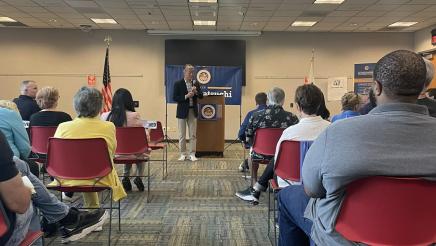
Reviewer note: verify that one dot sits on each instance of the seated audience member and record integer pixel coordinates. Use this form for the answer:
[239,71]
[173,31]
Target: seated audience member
[323,111]
[308,99]
[15,197]
[88,103]
[12,126]
[260,99]
[47,99]
[26,101]
[273,116]
[350,102]
[123,114]
[370,104]
[424,98]
[394,139]
[55,214]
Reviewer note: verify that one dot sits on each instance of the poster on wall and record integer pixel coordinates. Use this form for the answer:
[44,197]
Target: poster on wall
[363,77]
[337,87]
[214,80]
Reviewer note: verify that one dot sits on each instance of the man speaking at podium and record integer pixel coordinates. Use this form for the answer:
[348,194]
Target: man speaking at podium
[185,93]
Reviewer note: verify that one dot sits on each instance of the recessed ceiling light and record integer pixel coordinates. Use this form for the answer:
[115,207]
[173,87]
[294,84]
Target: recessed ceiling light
[203,1]
[104,21]
[204,23]
[402,24]
[328,1]
[7,19]
[303,23]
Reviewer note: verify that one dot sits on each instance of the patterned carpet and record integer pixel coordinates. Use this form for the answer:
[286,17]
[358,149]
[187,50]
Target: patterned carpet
[195,205]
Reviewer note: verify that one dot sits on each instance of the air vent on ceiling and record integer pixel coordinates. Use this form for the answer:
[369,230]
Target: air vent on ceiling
[90,10]
[392,29]
[314,13]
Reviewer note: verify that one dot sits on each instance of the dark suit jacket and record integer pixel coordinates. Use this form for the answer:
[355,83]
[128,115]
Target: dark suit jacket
[27,106]
[179,93]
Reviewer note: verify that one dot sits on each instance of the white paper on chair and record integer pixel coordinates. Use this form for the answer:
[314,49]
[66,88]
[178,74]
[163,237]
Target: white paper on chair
[337,87]
[150,124]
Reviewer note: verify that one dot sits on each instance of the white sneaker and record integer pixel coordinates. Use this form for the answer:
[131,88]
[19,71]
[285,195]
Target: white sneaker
[66,198]
[182,158]
[193,158]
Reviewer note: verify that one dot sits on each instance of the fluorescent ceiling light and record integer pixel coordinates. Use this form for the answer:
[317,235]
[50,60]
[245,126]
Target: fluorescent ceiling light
[7,19]
[402,24]
[104,21]
[303,23]
[204,33]
[204,23]
[328,1]
[203,1]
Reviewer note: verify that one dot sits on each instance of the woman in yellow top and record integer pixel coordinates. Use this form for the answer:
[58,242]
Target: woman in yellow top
[88,103]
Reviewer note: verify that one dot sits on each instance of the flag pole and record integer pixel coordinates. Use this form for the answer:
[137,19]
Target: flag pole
[313,65]
[108,40]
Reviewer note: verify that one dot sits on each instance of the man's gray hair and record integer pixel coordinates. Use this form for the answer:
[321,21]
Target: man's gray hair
[24,85]
[88,102]
[430,71]
[276,96]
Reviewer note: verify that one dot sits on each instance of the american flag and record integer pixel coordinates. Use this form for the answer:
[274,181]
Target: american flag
[107,89]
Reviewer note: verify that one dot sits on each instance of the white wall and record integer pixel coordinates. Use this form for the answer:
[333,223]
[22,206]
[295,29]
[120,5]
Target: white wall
[422,40]
[63,58]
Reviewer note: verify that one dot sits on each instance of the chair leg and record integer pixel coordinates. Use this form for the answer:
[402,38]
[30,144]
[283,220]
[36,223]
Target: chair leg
[110,219]
[119,215]
[166,161]
[269,212]
[148,181]
[274,219]
[163,164]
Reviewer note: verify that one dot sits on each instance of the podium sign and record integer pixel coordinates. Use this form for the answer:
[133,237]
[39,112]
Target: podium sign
[210,126]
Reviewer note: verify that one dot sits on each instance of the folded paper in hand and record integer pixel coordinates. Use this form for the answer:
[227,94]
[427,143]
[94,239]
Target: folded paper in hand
[28,184]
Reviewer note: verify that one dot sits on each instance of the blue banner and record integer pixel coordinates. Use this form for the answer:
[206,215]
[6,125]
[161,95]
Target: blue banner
[213,80]
[363,77]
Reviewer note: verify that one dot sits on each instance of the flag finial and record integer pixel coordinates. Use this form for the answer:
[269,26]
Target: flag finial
[108,40]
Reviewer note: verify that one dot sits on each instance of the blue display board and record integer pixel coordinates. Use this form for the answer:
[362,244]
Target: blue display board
[214,80]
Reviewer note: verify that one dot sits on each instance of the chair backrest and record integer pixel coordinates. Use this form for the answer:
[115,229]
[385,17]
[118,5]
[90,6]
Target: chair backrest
[265,140]
[157,135]
[290,159]
[39,136]
[131,140]
[78,158]
[287,164]
[389,211]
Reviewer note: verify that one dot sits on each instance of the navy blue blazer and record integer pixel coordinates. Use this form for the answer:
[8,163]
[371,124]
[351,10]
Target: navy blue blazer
[179,93]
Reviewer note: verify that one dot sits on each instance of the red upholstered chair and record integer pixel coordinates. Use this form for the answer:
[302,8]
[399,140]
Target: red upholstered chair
[131,144]
[31,236]
[287,166]
[39,136]
[157,138]
[80,159]
[264,143]
[389,211]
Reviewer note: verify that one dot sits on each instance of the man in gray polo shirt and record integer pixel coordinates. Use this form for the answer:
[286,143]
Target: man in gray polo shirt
[395,139]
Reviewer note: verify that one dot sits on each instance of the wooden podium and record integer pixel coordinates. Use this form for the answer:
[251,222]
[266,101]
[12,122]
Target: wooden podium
[210,127]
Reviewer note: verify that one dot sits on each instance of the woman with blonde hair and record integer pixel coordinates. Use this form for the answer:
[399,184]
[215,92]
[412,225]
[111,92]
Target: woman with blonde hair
[47,99]
[350,102]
